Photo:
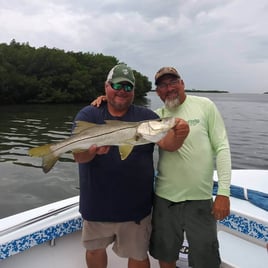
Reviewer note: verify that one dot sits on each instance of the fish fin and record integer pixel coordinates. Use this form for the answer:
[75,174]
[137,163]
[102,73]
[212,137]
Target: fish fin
[134,141]
[48,159]
[40,151]
[125,150]
[81,126]
[48,162]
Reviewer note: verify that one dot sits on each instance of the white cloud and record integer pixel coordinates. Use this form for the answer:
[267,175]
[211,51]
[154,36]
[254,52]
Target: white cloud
[215,44]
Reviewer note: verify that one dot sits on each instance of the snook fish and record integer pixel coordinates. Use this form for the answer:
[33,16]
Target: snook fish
[126,135]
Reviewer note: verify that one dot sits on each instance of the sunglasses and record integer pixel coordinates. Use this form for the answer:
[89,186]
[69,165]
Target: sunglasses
[118,86]
[172,83]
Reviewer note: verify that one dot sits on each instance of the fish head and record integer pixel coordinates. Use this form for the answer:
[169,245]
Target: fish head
[155,130]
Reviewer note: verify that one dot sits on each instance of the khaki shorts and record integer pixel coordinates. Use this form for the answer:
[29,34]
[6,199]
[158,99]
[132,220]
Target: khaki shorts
[130,240]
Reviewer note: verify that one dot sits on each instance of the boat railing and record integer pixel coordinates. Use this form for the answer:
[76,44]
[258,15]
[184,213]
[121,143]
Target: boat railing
[37,219]
[39,225]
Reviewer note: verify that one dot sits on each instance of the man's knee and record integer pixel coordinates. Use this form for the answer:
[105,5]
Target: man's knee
[96,258]
[132,263]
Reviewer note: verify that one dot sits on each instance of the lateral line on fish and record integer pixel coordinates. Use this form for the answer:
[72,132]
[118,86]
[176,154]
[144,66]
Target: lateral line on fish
[91,137]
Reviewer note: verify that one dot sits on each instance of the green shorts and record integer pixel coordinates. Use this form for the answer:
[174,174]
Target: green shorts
[130,240]
[172,221]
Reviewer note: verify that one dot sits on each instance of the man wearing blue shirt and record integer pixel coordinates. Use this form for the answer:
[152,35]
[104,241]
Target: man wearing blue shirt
[115,195]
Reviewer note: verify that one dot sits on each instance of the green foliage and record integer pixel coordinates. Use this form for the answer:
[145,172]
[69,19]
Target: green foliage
[43,75]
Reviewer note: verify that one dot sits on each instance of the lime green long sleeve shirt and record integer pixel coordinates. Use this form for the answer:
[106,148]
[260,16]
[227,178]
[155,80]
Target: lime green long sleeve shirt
[187,174]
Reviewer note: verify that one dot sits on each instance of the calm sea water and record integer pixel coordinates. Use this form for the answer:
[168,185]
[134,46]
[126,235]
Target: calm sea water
[23,185]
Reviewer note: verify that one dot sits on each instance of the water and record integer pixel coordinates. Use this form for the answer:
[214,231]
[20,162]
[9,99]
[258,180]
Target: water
[23,185]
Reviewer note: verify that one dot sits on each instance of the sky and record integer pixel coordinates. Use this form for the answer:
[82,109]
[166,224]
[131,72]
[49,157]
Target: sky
[214,44]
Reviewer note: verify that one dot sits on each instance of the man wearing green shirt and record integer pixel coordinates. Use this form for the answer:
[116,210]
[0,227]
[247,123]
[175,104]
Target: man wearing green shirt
[183,202]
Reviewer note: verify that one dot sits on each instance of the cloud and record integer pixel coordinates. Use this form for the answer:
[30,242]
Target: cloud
[215,44]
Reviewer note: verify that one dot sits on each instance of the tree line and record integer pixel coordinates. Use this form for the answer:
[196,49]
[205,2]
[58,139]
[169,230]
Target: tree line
[45,75]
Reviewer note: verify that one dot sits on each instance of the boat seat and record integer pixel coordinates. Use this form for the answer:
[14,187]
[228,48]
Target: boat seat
[237,252]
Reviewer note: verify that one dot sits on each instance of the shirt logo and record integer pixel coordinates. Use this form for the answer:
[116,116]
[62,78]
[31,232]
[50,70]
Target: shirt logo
[193,122]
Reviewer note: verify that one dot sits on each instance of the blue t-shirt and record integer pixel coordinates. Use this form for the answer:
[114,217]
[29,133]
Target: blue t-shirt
[111,189]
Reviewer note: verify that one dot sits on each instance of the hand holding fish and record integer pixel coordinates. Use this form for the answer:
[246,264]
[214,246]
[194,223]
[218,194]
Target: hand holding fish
[88,155]
[175,136]
[181,128]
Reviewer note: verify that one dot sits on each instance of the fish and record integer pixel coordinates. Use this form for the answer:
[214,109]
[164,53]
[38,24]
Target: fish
[123,134]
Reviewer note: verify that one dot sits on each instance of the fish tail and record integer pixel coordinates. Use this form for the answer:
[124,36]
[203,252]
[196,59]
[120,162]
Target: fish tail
[49,159]
[48,162]
[40,151]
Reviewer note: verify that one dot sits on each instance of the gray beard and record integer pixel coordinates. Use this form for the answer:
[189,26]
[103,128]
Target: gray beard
[171,104]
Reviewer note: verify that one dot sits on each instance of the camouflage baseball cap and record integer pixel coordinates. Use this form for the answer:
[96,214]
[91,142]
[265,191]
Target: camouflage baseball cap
[164,71]
[121,73]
